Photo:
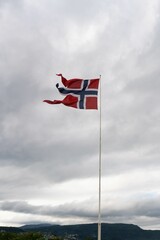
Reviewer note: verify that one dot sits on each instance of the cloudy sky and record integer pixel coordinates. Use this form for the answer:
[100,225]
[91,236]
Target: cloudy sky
[49,154]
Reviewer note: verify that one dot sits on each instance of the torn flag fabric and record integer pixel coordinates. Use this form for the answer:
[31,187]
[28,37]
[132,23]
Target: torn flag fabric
[79,93]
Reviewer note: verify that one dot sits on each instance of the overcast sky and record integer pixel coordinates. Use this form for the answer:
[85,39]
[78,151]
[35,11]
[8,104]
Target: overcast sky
[49,153]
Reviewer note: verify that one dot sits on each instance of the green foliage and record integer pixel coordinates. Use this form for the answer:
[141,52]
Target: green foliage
[88,238]
[21,236]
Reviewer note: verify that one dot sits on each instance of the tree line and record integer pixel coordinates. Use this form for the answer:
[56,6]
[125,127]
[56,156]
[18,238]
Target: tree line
[26,236]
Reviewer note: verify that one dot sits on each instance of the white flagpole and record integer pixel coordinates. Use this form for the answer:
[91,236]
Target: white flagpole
[100,147]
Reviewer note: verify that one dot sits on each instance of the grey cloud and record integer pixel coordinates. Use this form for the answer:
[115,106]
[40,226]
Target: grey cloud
[147,208]
[17,206]
[66,210]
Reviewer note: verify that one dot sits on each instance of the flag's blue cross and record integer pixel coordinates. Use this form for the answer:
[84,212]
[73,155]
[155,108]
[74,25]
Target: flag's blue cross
[84,91]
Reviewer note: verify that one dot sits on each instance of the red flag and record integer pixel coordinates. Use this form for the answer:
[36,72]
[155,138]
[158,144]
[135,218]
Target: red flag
[80,93]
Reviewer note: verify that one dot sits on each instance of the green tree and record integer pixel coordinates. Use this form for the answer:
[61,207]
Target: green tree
[21,236]
[88,238]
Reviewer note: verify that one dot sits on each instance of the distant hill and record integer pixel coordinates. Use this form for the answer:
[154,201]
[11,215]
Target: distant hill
[84,231]
[35,226]
[11,229]
[109,231]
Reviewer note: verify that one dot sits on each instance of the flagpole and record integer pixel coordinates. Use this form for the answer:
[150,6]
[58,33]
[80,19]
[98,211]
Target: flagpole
[100,163]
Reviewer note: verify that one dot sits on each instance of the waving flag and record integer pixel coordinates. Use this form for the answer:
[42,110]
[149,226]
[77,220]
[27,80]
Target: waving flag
[79,93]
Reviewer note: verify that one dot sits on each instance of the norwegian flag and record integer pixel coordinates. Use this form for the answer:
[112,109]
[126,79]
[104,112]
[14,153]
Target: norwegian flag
[80,93]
